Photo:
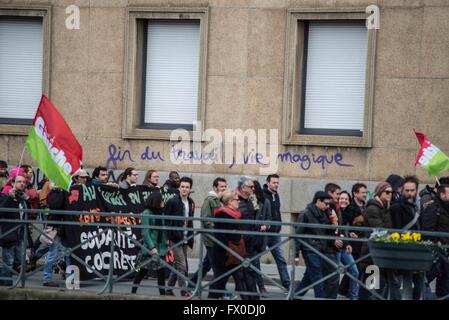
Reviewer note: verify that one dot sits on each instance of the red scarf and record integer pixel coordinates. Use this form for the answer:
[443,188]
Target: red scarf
[230,212]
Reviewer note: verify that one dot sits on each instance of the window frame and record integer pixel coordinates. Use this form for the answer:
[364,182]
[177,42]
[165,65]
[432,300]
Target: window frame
[133,108]
[293,132]
[15,126]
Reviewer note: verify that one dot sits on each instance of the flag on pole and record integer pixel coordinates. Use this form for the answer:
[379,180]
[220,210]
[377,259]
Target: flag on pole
[430,156]
[53,146]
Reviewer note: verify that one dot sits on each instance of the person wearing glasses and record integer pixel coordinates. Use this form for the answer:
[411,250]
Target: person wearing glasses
[245,191]
[152,179]
[378,216]
[129,178]
[316,212]
[223,261]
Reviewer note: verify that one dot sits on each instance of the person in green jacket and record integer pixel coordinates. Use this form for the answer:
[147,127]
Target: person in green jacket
[211,203]
[155,240]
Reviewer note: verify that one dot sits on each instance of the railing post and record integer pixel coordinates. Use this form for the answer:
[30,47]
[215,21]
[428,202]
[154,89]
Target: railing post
[199,279]
[111,250]
[291,291]
[24,251]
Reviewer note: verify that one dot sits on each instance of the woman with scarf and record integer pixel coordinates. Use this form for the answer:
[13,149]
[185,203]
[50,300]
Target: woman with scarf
[155,240]
[223,260]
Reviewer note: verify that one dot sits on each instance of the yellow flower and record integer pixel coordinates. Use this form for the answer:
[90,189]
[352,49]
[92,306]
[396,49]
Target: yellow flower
[416,236]
[406,236]
[395,236]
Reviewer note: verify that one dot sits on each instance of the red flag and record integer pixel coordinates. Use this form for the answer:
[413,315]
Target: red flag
[53,145]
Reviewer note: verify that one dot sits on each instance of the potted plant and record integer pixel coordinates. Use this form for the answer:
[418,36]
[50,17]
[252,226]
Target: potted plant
[405,251]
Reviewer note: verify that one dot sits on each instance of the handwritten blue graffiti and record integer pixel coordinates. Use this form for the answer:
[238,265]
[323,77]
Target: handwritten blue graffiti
[151,155]
[305,161]
[116,154]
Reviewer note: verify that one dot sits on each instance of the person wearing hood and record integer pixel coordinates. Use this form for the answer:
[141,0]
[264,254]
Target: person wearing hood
[397,184]
[436,218]
[210,204]
[270,191]
[378,216]
[223,260]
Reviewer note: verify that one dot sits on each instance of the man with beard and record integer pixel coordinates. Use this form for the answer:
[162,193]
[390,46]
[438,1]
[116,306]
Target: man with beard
[404,215]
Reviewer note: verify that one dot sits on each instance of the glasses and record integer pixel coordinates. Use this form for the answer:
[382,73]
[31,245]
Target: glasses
[388,192]
[327,203]
[251,187]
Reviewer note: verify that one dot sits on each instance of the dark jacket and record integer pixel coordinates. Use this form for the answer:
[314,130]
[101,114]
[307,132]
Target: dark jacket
[169,187]
[175,207]
[403,212]
[436,218]
[58,199]
[426,195]
[313,215]
[14,237]
[275,203]
[353,215]
[263,213]
[376,215]
[248,212]
[211,203]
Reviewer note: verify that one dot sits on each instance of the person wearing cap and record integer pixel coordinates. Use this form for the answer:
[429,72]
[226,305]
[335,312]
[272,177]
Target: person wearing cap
[80,177]
[397,184]
[377,216]
[316,212]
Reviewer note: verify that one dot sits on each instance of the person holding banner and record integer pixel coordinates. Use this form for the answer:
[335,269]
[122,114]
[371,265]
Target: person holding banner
[155,241]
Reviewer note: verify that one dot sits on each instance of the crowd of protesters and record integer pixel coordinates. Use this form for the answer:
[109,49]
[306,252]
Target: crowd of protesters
[395,204]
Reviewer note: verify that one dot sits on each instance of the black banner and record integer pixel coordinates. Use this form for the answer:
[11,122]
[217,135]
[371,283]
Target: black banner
[95,250]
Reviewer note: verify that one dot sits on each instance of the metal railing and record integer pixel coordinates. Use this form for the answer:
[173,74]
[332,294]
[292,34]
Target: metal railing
[111,280]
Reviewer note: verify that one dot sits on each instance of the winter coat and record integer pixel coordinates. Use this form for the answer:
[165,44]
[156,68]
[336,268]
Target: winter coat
[403,212]
[263,213]
[14,237]
[436,218]
[376,215]
[311,214]
[154,238]
[211,203]
[275,204]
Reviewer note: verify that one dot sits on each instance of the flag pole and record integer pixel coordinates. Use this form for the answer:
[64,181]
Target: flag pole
[21,157]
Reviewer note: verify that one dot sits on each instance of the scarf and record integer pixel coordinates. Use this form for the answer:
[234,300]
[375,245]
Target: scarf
[230,212]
